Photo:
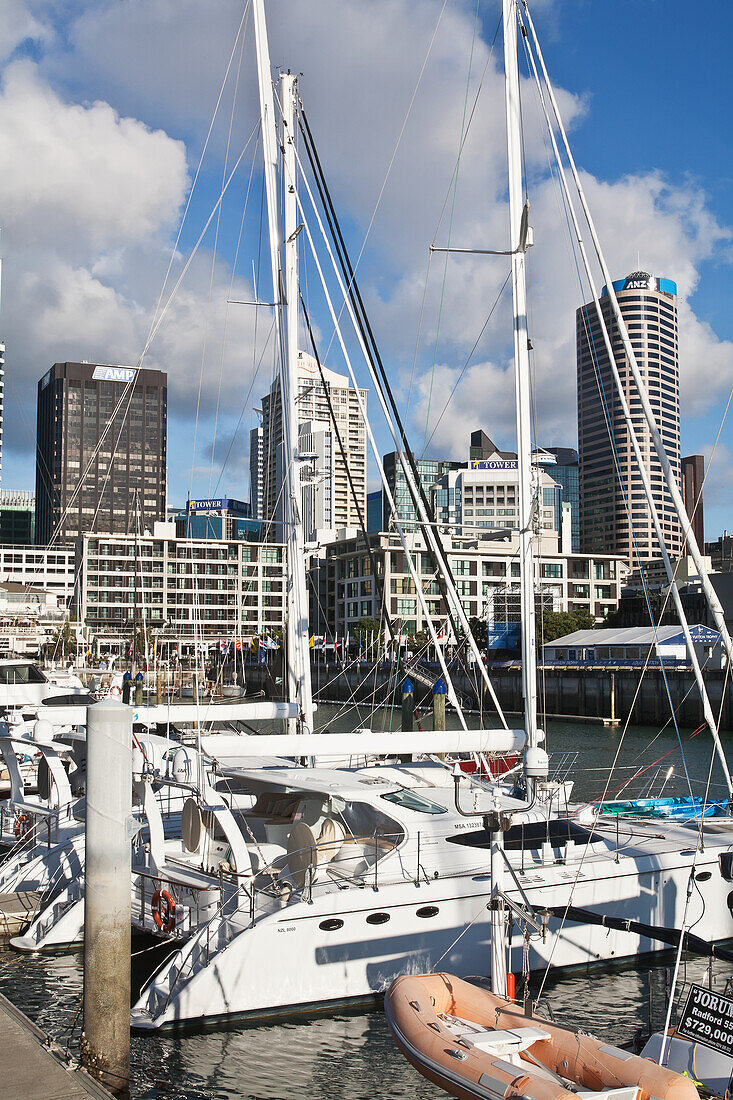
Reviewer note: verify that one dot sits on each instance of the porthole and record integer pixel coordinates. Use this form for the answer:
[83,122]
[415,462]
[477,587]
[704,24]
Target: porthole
[703,876]
[377,918]
[331,925]
[428,911]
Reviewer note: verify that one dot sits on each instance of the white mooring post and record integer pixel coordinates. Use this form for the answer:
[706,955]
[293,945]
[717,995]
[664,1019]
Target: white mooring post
[107,896]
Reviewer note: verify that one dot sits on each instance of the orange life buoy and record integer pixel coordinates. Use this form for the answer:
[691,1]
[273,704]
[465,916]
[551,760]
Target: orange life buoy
[115,690]
[22,826]
[164,911]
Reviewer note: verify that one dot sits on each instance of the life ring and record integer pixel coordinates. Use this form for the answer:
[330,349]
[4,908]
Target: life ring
[164,911]
[22,826]
[115,690]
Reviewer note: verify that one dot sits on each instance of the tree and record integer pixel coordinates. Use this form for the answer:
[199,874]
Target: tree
[556,624]
[478,629]
[366,628]
[64,642]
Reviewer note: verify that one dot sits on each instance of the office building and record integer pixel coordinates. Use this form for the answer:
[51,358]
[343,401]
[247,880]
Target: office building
[429,471]
[486,576]
[693,477]
[101,450]
[486,496]
[721,553]
[566,473]
[327,495]
[38,567]
[17,518]
[217,518]
[256,470]
[482,448]
[186,590]
[374,511]
[614,514]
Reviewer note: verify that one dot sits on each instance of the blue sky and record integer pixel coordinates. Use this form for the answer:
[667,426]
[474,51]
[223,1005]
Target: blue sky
[104,109]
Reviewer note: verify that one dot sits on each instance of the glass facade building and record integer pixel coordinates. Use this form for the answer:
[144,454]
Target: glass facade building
[566,472]
[17,518]
[429,471]
[101,450]
[614,515]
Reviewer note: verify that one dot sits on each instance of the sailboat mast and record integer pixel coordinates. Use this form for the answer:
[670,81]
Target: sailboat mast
[285,297]
[298,652]
[518,238]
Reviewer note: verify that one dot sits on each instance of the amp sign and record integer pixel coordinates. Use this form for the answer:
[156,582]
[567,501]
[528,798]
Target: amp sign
[114,374]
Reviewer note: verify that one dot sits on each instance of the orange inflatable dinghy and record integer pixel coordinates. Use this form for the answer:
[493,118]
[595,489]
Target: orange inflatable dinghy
[472,1044]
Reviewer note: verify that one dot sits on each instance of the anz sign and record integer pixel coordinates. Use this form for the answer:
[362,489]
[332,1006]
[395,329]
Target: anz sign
[114,374]
[639,281]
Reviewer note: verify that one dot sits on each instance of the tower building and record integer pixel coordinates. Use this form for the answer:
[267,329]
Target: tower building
[328,501]
[103,426]
[614,515]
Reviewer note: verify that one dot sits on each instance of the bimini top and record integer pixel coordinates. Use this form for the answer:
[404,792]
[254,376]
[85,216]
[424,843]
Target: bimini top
[345,783]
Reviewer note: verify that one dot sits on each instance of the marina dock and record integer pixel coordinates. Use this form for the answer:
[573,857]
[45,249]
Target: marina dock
[15,912]
[30,1069]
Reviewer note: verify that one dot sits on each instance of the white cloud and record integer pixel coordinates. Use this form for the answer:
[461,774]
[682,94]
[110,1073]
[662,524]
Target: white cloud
[19,24]
[83,179]
[96,194]
[718,487]
[87,210]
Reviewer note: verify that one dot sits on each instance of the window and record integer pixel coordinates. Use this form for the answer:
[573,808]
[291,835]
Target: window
[551,569]
[527,837]
[411,800]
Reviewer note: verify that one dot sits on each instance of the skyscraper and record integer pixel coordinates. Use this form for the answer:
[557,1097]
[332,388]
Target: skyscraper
[614,514]
[256,470]
[693,476]
[327,494]
[106,427]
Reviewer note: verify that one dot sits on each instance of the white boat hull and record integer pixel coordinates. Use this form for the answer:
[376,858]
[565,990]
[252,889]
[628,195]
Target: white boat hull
[288,962]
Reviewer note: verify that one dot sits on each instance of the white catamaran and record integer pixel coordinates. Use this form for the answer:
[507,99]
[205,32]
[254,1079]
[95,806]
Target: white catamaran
[344,878]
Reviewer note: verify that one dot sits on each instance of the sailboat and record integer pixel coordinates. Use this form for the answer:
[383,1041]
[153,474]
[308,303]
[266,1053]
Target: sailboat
[374,870]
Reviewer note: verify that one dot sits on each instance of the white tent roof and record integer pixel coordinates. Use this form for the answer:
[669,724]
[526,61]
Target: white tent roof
[630,635]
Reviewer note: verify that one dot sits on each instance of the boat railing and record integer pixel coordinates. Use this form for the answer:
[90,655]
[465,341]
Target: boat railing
[193,904]
[354,862]
[32,828]
[211,936]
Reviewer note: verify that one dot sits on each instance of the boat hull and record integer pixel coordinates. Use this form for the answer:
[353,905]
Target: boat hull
[349,946]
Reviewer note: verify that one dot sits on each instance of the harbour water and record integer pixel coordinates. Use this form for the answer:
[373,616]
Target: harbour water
[351,1056]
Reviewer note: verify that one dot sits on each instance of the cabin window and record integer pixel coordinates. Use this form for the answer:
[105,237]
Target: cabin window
[331,924]
[527,837]
[21,674]
[411,800]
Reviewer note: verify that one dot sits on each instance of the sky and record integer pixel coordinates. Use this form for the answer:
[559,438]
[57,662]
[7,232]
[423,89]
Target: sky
[105,108]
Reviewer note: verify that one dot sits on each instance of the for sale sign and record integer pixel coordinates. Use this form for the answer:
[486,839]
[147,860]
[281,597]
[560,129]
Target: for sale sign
[708,1018]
